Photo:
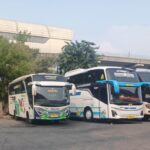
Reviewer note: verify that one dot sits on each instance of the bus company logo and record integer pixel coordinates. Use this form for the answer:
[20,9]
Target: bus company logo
[128,108]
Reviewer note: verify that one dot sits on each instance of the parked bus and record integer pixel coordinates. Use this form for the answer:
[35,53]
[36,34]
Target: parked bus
[106,93]
[39,97]
[144,76]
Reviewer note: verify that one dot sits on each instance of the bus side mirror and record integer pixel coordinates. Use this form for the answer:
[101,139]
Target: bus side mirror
[33,90]
[73,89]
[116,89]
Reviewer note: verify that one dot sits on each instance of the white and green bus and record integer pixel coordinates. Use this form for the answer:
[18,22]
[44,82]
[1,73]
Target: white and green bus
[39,97]
[106,92]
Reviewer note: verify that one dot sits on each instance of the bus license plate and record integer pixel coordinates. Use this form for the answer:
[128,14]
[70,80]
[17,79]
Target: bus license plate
[131,116]
[54,116]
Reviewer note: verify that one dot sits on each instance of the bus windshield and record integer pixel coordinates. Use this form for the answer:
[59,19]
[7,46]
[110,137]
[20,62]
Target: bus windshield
[127,95]
[144,76]
[51,96]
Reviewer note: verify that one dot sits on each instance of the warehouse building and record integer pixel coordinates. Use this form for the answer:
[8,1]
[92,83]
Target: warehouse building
[49,40]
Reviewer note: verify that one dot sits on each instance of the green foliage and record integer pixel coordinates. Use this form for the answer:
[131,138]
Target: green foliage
[78,55]
[46,64]
[16,59]
[22,37]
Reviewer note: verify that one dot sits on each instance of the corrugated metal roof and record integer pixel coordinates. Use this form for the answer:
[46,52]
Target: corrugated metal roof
[35,30]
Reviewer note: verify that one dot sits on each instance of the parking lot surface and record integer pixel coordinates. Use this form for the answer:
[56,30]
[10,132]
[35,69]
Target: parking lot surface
[74,135]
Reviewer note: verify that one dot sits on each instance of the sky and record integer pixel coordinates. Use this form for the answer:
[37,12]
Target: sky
[118,27]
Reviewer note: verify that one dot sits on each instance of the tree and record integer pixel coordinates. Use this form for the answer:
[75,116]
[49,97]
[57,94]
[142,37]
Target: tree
[46,64]
[78,55]
[22,36]
[16,59]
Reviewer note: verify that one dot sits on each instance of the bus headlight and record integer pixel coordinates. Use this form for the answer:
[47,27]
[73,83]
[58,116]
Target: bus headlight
[147,106]
[114,113]
[39,110]
[66,111]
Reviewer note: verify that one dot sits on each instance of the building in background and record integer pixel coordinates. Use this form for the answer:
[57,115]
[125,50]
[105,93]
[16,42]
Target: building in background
[49,40]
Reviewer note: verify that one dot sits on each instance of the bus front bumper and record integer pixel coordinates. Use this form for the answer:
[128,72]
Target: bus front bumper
[47,114]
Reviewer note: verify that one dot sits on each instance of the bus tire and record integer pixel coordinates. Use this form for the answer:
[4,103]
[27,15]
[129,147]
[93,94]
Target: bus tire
[28,120]
[15,116]
[88,114]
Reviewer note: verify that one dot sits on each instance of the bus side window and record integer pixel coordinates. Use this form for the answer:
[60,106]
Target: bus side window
[19,88]
[22,87]
[28,80]
[11,90]
[94,75]
[77,79]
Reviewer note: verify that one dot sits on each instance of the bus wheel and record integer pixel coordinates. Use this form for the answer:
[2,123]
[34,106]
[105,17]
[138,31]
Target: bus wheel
[15,116]
[88,114]
[28,120]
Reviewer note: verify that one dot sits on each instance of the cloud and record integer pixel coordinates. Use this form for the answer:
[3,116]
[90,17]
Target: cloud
[127,39]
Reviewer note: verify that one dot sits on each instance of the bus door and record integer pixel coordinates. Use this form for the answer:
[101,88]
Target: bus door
[103,101]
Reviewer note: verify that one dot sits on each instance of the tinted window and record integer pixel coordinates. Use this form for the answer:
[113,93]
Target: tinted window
[144,76]
[103,94]
[28,80]
[52,96]
[11,90]
[88,77]
[29,90]
[122,75]
[94,75]
[127,95]
[77,79]
[99,92]
[17,88]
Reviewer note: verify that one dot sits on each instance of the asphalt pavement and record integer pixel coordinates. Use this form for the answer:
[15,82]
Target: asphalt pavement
[74,135]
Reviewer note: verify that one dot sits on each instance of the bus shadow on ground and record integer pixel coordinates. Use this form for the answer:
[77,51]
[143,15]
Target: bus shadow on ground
[108,121]
[49,123]
[73,121]
[22,123]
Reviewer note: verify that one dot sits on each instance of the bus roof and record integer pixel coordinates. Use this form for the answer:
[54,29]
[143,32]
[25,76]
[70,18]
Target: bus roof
[80,70]
[30,75]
